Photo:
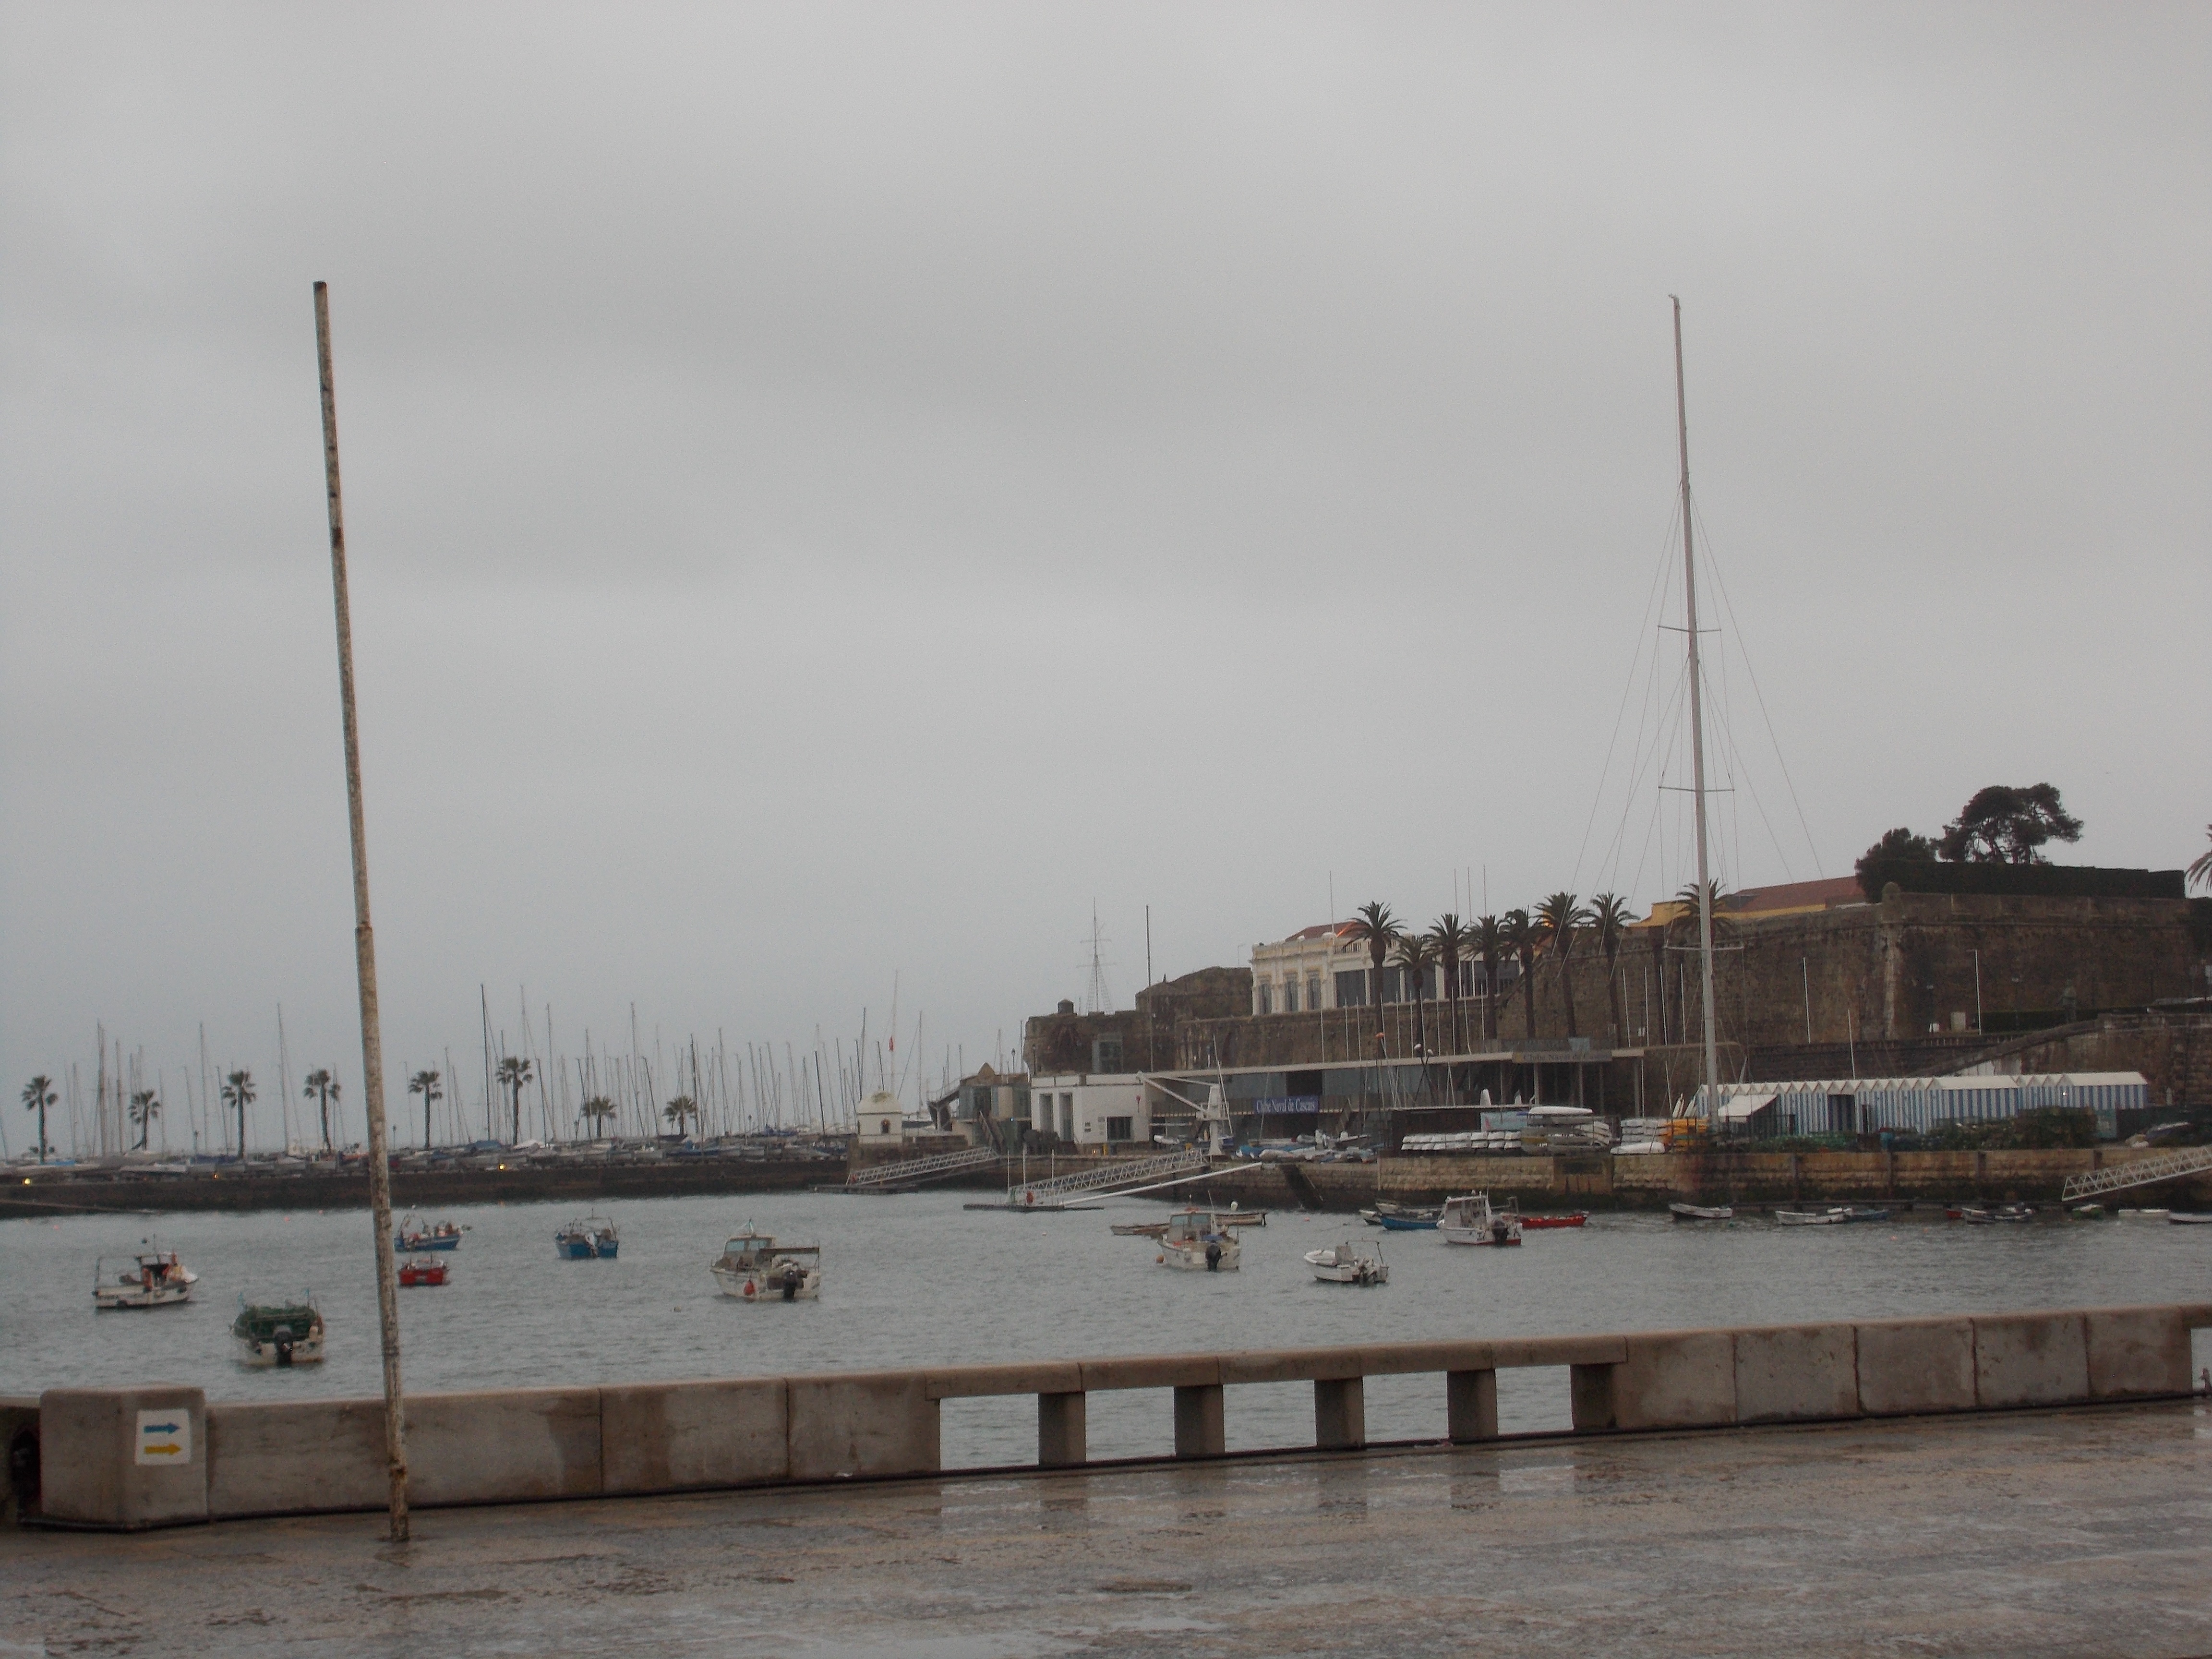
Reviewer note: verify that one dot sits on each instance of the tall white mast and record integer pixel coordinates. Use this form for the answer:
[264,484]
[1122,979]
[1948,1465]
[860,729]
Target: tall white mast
[1711,1100]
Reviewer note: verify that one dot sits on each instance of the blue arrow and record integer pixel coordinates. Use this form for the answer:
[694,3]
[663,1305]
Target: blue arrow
[157,1428]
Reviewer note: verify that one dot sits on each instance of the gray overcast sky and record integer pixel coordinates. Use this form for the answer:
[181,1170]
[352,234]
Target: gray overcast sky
[835,490]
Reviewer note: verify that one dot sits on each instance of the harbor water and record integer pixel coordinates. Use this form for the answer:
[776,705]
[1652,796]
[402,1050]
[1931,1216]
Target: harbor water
[916,1279]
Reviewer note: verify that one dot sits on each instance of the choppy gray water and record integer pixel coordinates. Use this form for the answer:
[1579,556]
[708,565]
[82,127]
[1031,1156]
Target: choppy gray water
[914,1279]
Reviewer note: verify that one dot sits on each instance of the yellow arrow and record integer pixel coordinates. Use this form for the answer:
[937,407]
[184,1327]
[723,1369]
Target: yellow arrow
[165,1450]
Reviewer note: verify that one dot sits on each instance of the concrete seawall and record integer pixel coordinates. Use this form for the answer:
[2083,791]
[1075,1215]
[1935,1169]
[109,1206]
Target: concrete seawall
[1603,1181]
[122,1459]
[1597,1181]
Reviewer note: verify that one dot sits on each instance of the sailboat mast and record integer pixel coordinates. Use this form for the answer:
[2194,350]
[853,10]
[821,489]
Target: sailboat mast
[1697,736]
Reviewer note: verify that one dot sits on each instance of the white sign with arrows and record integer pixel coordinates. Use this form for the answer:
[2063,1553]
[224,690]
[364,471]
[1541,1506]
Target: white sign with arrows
[165,1435]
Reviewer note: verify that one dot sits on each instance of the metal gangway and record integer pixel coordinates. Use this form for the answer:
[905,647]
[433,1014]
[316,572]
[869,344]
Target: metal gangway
[1131,1173]
[913,1170]
[2138,1172]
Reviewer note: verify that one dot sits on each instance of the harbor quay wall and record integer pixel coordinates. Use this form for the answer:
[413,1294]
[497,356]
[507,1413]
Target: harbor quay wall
[60,1193]
[125,1458]
[1657,1179]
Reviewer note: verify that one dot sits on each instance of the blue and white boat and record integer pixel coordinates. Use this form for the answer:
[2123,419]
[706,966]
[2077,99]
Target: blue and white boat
[594,1236]
[414,1233]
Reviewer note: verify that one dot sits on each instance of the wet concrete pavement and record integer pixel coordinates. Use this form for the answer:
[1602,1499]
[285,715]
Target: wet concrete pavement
[2082,1532]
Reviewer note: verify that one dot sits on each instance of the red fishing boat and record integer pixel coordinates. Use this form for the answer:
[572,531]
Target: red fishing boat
[424,1270]
[1574,1220]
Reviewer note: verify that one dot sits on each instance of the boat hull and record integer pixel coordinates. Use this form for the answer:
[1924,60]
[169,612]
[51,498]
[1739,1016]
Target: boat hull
[1811,1218]
[265,1355]
[108,1298]
[1495,1236]
[1399,1224]
[743,1285]
[1195,1259]
[1540,1222]
[1702,1212]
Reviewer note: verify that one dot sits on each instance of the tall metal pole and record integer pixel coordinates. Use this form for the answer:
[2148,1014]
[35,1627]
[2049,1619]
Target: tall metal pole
[364,953]
[1697,735]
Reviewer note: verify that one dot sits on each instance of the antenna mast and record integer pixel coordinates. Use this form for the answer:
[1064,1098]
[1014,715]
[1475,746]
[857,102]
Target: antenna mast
[1696,737]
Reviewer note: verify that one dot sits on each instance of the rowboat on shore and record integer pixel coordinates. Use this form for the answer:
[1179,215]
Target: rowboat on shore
[1702,1212]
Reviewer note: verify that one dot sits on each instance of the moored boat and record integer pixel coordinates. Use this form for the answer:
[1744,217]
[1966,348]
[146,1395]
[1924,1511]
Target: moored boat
[425,1270]
[2013,1213]
[1196,1241]
[155,1278]
[1971,1212]
[754,1267]
[581,1241]
[414,1233]
[2145,1215]
[1702,1212]
[1139,1229]
[1539,1222]
[1472,1218]
[2188,1218]
[1811,1218]
[1406,1217]
[1348,1263]
[278,1333]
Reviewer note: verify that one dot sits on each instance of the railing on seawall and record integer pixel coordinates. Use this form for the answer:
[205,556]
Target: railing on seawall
[126,1458]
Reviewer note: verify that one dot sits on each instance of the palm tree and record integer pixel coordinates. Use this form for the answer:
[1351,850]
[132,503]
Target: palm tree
[1685,921]
[1417,954]
[322,1086]
[1610,916]
[1487,941]
[1523,937]
[38,1094]
[1557,918]
[515,1071]
[1451,937]
[1519,936]
[425,1084]
[679,1110]
[238,1090]
[145,1109]
[596,1111]
[2200,873]
[1374,927]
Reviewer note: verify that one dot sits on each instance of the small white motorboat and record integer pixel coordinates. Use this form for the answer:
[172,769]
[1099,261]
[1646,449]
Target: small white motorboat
[1472,1218]
[1199,1241]
[754,1267]
[278,1333]
[1702,1212]
[155,1278]
[1348,1264]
